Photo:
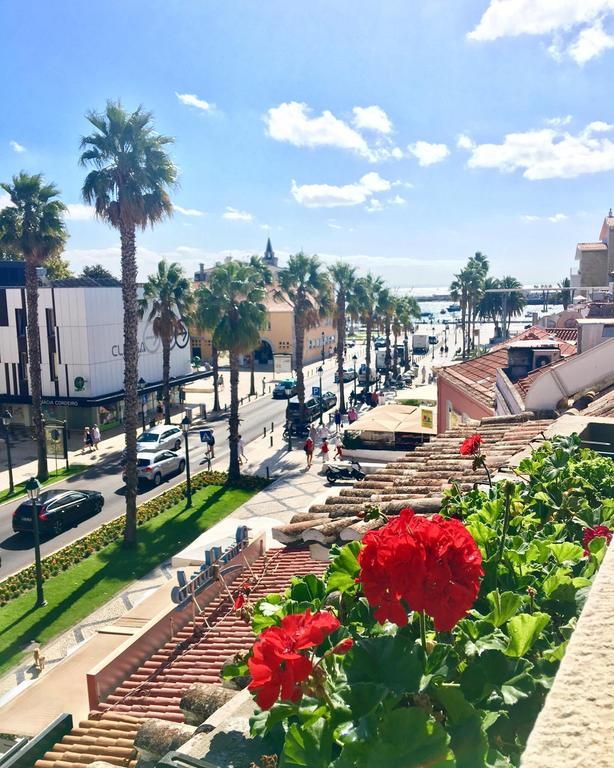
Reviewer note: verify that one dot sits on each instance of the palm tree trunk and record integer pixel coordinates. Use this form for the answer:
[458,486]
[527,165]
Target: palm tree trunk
[252,373]
[369,324]
[166,375]
[234,470]
[215,366]
[387,357]
[299,342]
[395,355]
[34,366]
[131,373]
[463,320]
[406,347]
[340,348]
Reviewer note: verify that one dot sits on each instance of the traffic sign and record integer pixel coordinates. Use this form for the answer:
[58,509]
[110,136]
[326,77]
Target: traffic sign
[315,391]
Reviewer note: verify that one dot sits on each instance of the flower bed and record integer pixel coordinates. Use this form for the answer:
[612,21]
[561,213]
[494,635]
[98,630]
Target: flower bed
[436,640]
[73,553]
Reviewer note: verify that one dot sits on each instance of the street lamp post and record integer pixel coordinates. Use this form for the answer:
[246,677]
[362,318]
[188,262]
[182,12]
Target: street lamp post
[433,346]
[142,383]
[323,350]
[354,358]
[185,426]
[33,488]
[320,370]
[6,420]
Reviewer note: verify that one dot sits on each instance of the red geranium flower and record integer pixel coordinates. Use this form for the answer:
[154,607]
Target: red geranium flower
[277,665]
[592,533]
[471,446]
[424,564]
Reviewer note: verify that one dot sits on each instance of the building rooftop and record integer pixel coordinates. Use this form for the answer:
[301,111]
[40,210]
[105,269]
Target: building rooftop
[196,653]
[480,373]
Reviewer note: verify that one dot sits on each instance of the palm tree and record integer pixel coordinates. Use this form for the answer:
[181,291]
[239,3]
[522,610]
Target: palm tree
[304,286]
[231,306]
[343,279]
[128,188]
[513,302]
[407,309]
[386,303]
[168,302]
[215,367]
[566,293]
[367,292]
[478,270]
[458,293]
[489,305]
[267,277]
[33,229]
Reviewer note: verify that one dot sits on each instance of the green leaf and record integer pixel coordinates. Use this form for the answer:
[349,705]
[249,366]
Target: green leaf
[344,568]
[307,746]
[523,631]
[391,661]
[307,589]
[556,654]
[566,552]
[481,533]
[465,726]
[407,738]
[597,548]
[504,606]
[362,698]
[264,720]
[517,688]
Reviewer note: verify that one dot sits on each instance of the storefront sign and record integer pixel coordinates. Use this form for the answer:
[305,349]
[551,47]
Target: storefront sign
[426,418]
[57,403]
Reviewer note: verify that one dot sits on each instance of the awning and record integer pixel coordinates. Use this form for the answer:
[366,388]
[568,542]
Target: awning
[394,419]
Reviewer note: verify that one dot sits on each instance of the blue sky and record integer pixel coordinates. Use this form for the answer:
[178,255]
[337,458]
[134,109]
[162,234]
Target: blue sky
[401,136]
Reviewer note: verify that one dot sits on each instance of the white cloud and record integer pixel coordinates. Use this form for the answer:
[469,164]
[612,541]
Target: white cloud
[5,201]
[192,100]
[333,224]
[590,43]
[510,18]
[294,123]
[576,25]
[555,122]
[427,153]
[554,219]
[547,153]
[397,200]
[331,196]
[374,206]
[372,119]
[16,146]
[232,214]
[79,212]
[188,211]
[465,142]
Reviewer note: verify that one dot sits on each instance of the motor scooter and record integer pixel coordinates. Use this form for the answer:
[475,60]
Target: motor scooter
[352,471]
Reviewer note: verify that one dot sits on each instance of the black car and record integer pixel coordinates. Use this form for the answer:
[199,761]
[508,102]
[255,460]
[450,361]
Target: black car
[57,510]
[329,400]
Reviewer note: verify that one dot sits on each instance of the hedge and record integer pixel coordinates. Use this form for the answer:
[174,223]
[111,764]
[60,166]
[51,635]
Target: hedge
[112,531]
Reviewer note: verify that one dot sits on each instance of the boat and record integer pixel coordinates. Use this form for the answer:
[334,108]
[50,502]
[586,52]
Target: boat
[443,312]
[454,308]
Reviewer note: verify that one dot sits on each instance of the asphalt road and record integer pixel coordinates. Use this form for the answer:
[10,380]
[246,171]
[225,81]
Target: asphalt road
[16,550]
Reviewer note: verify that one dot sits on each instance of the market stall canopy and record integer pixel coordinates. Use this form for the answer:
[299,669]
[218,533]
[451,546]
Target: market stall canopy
[395,418]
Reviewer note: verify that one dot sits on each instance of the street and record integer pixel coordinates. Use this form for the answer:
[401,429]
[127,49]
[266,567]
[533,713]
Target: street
[16,550]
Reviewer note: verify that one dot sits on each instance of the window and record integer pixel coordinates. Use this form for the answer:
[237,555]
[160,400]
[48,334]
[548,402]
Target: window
[20,322]
[4,313]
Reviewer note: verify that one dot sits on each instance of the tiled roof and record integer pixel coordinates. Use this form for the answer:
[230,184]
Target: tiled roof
[477,377]
[524,385]
[195,654]
[417,479]
[602,406]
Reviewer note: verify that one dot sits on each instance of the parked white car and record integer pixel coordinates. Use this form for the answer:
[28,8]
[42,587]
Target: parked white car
[160,437]
[155,467]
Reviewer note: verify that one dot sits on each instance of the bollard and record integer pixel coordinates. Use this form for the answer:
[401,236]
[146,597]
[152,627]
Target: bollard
[225,407]
[268,476]
[205,411]
[271,444]
[272,425]
[241,401]
[264,435]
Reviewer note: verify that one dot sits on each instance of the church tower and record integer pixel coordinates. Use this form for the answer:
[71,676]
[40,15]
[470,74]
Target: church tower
[269,254]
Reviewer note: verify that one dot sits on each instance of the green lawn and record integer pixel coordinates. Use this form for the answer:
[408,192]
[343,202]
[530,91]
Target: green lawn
[54,477]
[75,593]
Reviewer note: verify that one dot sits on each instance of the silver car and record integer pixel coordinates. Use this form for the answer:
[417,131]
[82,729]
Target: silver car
[160,437]
[155,467]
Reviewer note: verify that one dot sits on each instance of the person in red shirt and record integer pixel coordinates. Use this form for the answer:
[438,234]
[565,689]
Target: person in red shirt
[338,452]
[324,450]
[308,448]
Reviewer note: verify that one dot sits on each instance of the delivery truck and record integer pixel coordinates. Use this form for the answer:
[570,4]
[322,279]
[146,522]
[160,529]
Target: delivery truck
[420,343]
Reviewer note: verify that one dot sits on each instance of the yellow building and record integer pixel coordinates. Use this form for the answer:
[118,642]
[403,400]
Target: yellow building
[278,335]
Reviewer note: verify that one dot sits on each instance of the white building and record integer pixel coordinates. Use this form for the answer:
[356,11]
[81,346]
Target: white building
[81,332]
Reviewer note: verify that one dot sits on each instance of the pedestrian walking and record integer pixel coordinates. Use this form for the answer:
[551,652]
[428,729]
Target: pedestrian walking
[352,415]
[220,381]
[337,421]
[263,384]
[241,446]
[159,411]
[95,436]
[338,452]
[88,441]
[423,372]
[211,445]
[313,433]
[324,451]
[308,448]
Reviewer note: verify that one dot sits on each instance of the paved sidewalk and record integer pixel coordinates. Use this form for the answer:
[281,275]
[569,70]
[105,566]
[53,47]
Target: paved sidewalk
[62,688]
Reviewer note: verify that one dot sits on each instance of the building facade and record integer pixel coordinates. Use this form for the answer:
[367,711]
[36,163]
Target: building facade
[278,335]
[81,332]
[596,259]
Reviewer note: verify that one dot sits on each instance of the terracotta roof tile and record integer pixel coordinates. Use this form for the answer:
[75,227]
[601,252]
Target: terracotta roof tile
[196,654]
